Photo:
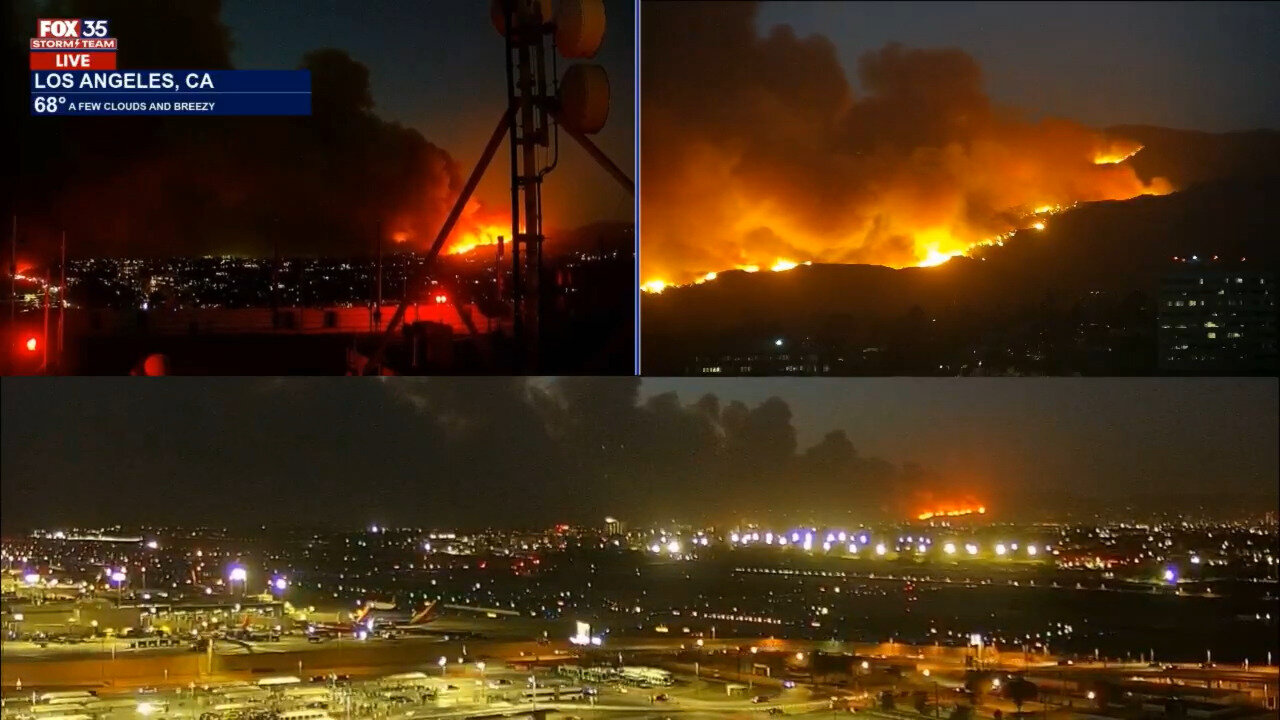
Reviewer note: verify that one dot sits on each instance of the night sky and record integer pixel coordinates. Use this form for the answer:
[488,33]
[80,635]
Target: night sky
[437,67]
[1212,66]
[404,97]
[502,451]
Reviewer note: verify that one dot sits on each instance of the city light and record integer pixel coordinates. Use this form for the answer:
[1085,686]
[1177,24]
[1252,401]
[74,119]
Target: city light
[880,549]
[280,583]
[949,548]
[1001,549]
[237,574]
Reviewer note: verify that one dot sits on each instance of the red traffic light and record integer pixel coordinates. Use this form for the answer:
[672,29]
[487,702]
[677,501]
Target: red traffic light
[32,344]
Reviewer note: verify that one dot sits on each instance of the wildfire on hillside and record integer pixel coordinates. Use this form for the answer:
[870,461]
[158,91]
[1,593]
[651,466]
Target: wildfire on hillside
[759,153]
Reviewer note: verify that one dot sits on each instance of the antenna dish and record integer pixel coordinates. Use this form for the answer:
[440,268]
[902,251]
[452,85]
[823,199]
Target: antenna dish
[525,11]
[580,28]
[584,98]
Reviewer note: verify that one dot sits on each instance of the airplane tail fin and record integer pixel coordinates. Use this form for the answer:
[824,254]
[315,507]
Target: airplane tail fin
[364,612]
[426,615]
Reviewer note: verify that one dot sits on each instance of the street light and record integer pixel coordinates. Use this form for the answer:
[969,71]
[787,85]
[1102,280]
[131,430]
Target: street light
[484,692]
[118,577]
[237,574]
[442,662]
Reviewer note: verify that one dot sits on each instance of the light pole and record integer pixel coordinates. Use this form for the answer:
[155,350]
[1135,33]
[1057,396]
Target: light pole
[238,575]
[118,577]
[936,708]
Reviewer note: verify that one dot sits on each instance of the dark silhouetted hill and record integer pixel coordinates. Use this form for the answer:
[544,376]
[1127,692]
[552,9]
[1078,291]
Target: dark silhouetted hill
[1113,247]
[1188,157]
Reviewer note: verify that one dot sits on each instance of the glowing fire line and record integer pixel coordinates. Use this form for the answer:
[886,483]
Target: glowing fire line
[934,255]
[961,512]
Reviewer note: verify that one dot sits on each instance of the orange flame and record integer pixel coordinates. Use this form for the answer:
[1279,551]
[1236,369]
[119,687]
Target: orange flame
[481,236]
[952,512]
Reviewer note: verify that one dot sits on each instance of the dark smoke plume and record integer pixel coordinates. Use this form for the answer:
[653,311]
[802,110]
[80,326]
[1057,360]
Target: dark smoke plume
[759,153]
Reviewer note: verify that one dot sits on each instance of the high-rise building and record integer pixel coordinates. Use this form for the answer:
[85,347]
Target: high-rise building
[613,526]
[1217,317]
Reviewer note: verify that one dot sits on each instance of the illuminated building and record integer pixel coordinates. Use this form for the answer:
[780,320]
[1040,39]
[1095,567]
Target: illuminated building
[1217,317]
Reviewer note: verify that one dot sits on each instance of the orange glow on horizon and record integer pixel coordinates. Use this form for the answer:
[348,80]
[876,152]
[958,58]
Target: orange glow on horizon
[483,235]
[952,512]
[461,242]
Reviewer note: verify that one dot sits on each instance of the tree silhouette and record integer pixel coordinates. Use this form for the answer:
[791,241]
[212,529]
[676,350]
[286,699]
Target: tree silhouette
[1021,690]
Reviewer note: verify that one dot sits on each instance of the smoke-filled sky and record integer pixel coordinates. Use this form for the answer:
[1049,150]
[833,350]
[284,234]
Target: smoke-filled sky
[1210,66]
[405,95]
[437,67]
[507,451]
[775,134]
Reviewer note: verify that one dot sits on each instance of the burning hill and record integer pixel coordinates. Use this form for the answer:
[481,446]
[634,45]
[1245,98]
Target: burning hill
[758,153]
[1115,251]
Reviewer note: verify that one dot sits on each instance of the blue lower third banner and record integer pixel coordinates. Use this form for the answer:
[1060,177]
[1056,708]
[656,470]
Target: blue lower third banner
[171,92]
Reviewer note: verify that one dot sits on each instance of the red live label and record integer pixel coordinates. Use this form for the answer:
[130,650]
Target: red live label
[73,61]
